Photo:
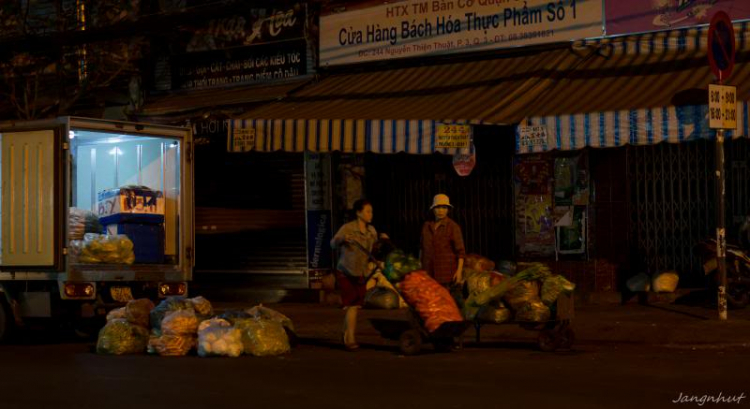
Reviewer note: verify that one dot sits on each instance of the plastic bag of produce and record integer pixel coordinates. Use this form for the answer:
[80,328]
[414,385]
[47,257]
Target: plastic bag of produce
[553,286]
[665,282]
[398,265]
[378,280]
[118,313]
[381,299]
[171,345]
[494,315]
[219,340]
[534,311]
[478,263]
[260,312]
[522,293]
[640,282]
[263,337]
[213,322]
[234,316]
[183,322]
[431,300]
[120,337]
[168,305]
[138,311]
[479,281]
[202,306]
[80,222]
[109,249]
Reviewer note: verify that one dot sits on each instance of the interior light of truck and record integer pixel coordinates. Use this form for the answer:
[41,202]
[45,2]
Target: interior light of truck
[172,289]
[71,135]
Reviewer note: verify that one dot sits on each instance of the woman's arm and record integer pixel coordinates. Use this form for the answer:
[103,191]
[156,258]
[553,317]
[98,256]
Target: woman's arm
[460,251]
[339,238]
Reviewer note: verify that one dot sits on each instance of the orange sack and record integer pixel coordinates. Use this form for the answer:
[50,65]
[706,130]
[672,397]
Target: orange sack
[431,300]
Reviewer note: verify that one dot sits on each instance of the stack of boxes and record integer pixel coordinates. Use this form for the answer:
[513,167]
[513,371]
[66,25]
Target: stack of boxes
[137,212]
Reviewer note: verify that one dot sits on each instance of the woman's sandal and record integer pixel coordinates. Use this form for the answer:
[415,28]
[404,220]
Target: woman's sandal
[349,347]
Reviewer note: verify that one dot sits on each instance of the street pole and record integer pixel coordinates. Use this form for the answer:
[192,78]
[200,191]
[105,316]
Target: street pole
[721,241]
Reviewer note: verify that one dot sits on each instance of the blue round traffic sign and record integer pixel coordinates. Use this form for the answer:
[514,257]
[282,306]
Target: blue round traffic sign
[721,45]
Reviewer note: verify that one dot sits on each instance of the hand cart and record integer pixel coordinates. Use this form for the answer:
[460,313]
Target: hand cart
[554,334]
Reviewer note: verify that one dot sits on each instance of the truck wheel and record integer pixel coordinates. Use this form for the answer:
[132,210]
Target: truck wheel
[6,321]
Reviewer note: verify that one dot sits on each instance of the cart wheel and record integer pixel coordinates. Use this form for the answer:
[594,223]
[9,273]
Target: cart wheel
[547,341]
[566,338]
[410,342]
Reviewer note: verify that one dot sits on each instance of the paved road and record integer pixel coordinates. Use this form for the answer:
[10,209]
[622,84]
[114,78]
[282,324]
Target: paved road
[319,374]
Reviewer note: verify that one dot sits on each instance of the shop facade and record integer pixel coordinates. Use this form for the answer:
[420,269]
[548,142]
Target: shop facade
[595,193]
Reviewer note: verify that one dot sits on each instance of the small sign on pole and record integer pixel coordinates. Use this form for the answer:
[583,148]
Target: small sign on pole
[722,106]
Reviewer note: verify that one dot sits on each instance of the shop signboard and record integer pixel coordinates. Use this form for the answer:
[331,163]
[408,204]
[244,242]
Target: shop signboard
[638,16]
[530,137]
[319,223]
[417,28]
[254,45]
[453,136]
[243,140]
[244,65]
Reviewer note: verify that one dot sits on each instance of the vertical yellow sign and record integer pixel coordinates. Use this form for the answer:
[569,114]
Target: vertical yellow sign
[722,107]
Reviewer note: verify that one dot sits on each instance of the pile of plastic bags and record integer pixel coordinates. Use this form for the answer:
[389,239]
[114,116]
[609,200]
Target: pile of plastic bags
[126,331]
[526,297]
[181,325]
[102,248]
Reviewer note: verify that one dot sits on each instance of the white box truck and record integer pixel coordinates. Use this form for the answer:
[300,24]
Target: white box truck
[72,190]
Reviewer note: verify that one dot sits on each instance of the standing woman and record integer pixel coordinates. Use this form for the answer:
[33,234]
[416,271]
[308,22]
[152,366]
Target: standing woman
[443,249]
[354,242]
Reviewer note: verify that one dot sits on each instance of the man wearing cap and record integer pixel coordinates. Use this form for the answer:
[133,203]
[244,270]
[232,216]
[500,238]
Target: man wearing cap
[443,249]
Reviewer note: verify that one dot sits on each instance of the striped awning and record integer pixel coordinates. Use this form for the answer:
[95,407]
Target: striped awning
[619,128]
[634,89]
[638,90]
[345,135]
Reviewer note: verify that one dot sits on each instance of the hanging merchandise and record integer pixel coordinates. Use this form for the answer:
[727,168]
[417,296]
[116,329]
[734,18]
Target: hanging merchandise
[464,161]
[535,233]
[565,171]
[532,175]
[572,180]
[535,230]
[571,239]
